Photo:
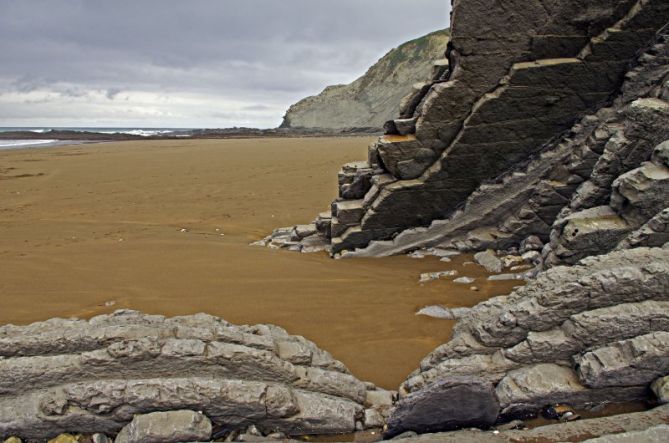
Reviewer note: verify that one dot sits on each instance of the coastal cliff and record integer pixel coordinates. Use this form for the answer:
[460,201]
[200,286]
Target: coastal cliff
[523,89]
[375,97]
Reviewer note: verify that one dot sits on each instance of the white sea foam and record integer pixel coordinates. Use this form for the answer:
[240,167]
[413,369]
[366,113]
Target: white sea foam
[140,132]
[144,132]
[8,144]
[148,133]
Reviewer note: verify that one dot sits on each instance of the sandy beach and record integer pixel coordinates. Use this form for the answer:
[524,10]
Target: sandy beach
[165,226]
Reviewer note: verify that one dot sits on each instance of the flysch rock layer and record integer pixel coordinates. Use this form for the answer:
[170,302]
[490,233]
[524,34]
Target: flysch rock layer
[94,376]
[628,428]
[377,96]
[576,172]
[590,334]
[484,159]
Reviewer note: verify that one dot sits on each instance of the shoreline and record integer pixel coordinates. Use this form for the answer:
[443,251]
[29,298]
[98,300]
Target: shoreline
[190,134]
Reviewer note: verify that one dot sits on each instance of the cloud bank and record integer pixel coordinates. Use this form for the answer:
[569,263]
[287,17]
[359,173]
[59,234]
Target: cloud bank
[196,63]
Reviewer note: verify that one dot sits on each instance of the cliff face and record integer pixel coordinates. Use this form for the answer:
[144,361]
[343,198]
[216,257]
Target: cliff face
[375,97]
[521,74]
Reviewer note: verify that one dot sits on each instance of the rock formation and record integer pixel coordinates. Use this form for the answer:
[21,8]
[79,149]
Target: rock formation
[548,136]
[635,427]
[375,97]
[593,333]
[95,376]
[544,107]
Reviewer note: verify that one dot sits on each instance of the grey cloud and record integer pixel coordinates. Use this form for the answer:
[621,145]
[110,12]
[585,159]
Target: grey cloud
[252,52]
[112,93]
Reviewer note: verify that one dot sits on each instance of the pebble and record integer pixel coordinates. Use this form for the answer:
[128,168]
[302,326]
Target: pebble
[532,257]
[101,438]
[429,276]
[512,260]
[515,424]
[444,253]
[464,280]
[504,277]
[489,260]
[65,438]
[442,312]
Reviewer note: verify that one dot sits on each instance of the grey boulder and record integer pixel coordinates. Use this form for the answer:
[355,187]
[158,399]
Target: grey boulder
[166,427]
[450,403]
[488,260]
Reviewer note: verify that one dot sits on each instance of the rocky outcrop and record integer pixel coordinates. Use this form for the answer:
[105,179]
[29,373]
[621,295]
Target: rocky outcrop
[546,139]
[490,154]
[376,97]
[94,376]
[574,174]
[594,333]
[638,425]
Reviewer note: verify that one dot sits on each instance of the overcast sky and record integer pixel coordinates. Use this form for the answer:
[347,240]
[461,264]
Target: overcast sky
[189,63]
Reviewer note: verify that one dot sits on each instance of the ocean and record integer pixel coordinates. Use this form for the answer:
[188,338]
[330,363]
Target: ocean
[46,142]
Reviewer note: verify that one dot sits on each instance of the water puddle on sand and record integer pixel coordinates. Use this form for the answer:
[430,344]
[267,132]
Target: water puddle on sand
[138,225]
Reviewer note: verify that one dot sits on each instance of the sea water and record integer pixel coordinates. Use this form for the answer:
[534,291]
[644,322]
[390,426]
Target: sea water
[15,144]
[145,132]
[27,143]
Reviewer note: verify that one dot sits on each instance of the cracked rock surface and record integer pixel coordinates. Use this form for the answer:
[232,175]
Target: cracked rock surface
[593,333]
[95,376]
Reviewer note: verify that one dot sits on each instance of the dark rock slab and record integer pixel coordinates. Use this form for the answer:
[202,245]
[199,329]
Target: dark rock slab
[451,403]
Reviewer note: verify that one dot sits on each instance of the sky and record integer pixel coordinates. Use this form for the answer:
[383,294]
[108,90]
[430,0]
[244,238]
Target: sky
[190,63]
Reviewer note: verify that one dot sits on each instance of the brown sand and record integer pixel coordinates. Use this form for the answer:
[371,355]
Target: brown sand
[87,225]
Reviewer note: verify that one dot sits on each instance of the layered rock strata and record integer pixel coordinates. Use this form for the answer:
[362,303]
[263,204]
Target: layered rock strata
[628,428]
[520,75]
[576,173]
[94,376]
[593,333]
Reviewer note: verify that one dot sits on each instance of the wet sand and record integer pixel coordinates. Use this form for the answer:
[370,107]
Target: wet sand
[89,229]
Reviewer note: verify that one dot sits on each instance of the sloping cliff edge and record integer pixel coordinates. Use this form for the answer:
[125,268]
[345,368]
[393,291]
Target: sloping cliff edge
[375,97]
